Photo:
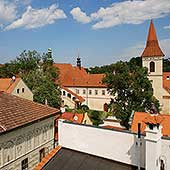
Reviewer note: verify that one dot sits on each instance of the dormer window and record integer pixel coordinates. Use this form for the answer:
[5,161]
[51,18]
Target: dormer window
[23,90]
[18,91]
[152,66]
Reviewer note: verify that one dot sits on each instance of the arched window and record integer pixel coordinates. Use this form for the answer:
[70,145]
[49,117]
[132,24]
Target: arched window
[152,66]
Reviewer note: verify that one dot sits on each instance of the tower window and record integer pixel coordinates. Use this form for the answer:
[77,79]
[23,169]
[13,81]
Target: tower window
[152,66]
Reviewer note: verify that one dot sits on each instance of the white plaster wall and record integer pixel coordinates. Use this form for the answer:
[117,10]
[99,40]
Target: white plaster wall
[165,154]
[27,92]
[26,142]
[110,144]
[157,82]
[93,101]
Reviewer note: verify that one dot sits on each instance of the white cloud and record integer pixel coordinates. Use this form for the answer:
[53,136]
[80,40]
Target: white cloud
[34,18]
[8,12]
[137,49]
[127,12]
[80,16]
[167,27]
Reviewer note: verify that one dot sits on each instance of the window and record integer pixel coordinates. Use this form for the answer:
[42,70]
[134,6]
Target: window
[69,95]
[23,90]
[77,91]
[167,77]
[103,92]
[96,92]
[90,92]
[64,93]
[84,91]
[18,91]
[152,66]
[42,154]
[24,164]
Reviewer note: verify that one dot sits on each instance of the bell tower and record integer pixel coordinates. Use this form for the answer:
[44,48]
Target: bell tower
[152,58]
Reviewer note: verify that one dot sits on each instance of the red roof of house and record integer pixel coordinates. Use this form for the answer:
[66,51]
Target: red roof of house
[166,81]
[48,157]
[152,46]
[113,127]
[7,84]
[16,112]
[72,76]
[143,118]
[81,99]
[72,117]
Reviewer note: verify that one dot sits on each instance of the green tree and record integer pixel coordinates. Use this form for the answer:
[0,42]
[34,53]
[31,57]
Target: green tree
[38,73]
[132,90]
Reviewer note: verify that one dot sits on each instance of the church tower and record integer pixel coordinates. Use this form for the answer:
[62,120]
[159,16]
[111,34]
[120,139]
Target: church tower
[152,58]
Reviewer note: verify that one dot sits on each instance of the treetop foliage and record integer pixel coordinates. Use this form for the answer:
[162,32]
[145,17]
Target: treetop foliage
[38,73]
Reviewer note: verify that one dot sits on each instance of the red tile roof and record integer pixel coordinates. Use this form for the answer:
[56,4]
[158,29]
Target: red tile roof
[16,111]
[143,118]
[47,158]
[80,98]
[73,117]
[152,46]
[166,81]
[71,76]
[7,84]
[113,127]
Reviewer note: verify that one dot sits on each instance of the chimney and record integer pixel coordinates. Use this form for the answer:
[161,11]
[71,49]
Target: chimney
[153,146]
[46,102]
[13,78]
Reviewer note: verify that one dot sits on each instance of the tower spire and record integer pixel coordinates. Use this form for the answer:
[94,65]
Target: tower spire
[152,48]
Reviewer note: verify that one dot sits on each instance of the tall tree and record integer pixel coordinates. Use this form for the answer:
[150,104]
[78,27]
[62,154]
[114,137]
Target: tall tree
[38,73]
[132,90]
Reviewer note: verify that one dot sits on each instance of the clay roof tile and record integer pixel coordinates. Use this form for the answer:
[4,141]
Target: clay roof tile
[152,48]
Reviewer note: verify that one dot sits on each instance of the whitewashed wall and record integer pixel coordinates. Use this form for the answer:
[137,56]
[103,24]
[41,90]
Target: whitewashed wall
[114,145]
[111,144]
[93,101]
[26,142]
[165,154]
[27,94]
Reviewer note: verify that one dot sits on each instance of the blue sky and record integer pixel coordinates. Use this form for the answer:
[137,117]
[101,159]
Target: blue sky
[102,31]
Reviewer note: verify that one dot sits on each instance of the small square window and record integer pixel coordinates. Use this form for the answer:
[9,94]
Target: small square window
[90,92]
[18,91]
[24,164]
[77,91]
[64,93]
[96,92]
[167,77]
[84,91]
[23,90]
[103,92]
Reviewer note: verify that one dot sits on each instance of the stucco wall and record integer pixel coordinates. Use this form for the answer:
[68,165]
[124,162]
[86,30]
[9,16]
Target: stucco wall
[157,82]
[114,145]
[93,101]
[27,94]
[26,142]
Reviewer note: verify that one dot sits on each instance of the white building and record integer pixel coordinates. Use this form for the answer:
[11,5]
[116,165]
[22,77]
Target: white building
[79,86]
[134,151]
[16,86]
[152,58]
[26,132]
